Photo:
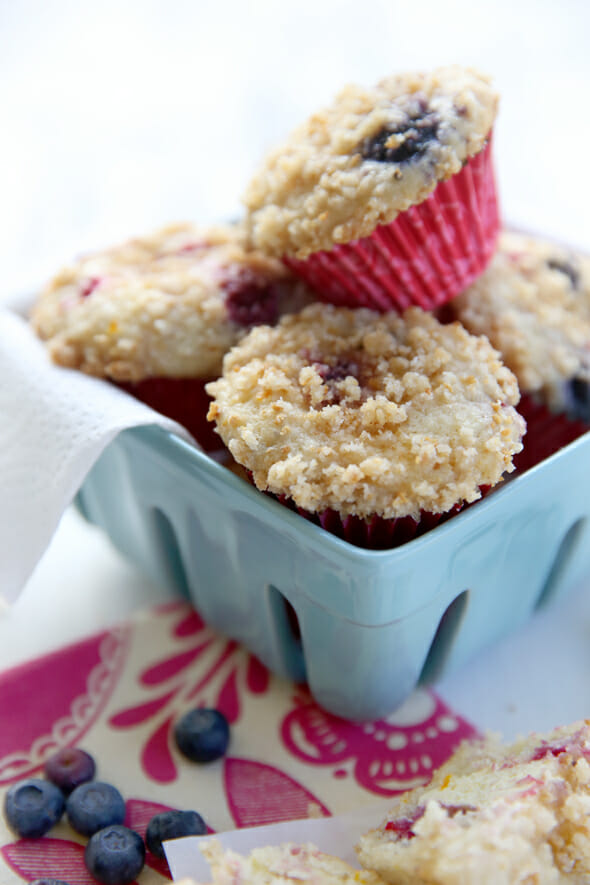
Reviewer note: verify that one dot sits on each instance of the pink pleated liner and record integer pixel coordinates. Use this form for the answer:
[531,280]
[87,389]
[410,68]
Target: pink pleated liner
[377,532]
[547,432]
[424,257]
[184,400]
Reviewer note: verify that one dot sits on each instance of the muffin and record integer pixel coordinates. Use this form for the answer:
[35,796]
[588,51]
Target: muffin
[385,199]
[375,426]
[533,303]
[493,815]
[285,863]
[156,314]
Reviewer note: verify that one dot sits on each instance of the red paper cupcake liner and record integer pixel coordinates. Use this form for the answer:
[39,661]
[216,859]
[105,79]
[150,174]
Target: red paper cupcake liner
[376,533]
[546,433]
[424,257]
[182,399]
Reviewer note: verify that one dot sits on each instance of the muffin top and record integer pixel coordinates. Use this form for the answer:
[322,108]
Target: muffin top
[280,865]
[367,413]
[493,813]
[369,156]
[533,303]
[166,305]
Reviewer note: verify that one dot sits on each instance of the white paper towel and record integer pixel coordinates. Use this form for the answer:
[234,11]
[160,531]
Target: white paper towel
[54,424]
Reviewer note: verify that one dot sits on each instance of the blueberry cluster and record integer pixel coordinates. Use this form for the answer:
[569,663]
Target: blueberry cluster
[115,854]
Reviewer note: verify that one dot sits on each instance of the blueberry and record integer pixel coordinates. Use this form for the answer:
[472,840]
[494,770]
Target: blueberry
[115,855]
[33,806]
[415,134]
[577,395]
[172,825]
[68,768]
[567,268]
[202,734]
[95,805]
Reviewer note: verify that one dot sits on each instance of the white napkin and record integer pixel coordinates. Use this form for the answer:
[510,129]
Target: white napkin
[54,424]
[335,835]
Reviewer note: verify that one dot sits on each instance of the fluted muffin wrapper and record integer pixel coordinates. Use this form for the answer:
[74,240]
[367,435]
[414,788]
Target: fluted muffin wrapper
[547,432]
[183,399]
[424,257]
[376,532]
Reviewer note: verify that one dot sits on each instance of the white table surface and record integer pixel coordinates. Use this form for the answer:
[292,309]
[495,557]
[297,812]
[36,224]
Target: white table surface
[119,116]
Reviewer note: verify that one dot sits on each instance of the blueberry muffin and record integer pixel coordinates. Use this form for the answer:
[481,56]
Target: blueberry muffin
[533,303]
[493,815]
[156,314]
[287,863]
[386,198]
[374,425]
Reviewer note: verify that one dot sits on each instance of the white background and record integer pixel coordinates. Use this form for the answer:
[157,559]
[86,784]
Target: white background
[116,117]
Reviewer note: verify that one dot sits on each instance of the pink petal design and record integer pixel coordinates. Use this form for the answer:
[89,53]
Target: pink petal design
[156,758]
[261,794]
[387,757]
[72,686]
[228,701]
[50,858]
[230,648]
[135,715]
[164,670]
[189,625]
[257,676]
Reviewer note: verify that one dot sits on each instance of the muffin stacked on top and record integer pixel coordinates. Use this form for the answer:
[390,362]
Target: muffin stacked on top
[374,415]
[386,198]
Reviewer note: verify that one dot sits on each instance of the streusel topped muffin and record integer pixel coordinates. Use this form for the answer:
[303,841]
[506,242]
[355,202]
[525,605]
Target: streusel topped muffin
[281,864]
[369,156]
[533,303]
[493,815]
[166,305]
[366,413]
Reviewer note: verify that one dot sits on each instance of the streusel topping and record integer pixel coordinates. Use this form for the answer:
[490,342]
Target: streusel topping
[493,814]
[533,303]
[366,413]
[369,156]
[166,305]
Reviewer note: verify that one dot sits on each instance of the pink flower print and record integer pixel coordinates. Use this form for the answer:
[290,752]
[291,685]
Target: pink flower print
[206,670]
[385,757]
[261,794]
[71,688]
[47,858]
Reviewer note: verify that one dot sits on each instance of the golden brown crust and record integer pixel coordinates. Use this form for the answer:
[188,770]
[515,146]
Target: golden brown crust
[154,306]
[366,413]
[533,303]
[318,189]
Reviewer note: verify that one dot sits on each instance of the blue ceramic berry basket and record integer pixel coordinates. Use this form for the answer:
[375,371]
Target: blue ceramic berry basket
[371,624]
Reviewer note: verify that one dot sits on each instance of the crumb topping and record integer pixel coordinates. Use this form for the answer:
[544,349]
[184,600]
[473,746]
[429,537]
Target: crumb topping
[368,414]
[369,156]
[493,813]
[533,303]
[166,305]
[281,865]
